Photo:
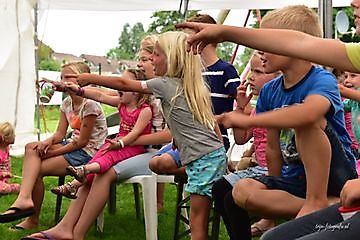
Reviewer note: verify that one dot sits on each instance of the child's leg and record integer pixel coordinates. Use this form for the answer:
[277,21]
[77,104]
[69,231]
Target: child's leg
[255,197]
[314,148]
[199,216]
[165,164]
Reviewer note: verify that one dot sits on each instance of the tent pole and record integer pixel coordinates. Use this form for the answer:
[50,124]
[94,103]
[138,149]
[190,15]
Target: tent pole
[36,42]
[325,13]
[222,16]
[237,46]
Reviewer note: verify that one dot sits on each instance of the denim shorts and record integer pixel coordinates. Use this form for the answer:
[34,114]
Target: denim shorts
[77,157]
[250,172]
[293,185]
[204,172]
[173,153]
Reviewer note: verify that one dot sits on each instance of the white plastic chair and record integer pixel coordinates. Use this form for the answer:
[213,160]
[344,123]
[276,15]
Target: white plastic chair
[148,186]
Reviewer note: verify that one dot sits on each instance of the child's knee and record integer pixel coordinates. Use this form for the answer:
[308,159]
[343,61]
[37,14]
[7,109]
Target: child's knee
[154,164]
[242,191]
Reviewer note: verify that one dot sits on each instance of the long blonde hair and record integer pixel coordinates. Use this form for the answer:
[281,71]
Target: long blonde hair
[187,66]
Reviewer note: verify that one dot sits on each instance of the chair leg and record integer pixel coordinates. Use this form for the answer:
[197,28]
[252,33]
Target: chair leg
[150,210]
[112,199]
[61,181]
[137,200]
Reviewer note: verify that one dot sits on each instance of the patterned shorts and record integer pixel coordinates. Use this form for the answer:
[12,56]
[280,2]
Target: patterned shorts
[205,171]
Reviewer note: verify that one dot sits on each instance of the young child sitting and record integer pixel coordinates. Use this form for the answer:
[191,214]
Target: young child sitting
[135,114]
[7,137]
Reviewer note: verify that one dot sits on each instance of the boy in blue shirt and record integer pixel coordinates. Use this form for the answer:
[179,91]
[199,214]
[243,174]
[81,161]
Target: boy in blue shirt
[308,148]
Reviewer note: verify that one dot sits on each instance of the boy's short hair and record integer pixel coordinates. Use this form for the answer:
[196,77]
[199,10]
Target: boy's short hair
[296,17]
[202,18]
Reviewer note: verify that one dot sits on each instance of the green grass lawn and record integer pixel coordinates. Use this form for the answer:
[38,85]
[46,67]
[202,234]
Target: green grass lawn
[122,225]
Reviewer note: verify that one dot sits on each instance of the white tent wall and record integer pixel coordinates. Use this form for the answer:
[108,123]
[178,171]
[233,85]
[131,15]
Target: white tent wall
[17,71]
[137,5]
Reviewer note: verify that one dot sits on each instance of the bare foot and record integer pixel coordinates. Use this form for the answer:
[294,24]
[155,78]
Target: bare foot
[160,207]
[22,204]
[27,224]
[54,233]
[258,228]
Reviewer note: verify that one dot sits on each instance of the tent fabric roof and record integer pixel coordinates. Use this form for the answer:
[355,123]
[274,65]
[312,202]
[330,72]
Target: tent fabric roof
[137,5]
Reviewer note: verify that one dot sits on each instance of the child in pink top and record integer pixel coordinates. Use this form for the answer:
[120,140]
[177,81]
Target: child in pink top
[135,114]
[7,137]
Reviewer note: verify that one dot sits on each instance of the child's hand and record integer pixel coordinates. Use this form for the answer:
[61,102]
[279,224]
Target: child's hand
[112,144]
[71,86]
[204,35]
[233,119]
[242,99]
[82,79]
[350,194]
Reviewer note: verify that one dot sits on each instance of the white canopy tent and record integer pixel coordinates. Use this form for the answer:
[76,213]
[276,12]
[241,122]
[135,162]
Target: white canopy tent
[17,24]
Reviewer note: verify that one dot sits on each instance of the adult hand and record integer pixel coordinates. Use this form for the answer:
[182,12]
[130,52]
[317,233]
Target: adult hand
[204,35]
[350,194]
[242,99]
[41,147]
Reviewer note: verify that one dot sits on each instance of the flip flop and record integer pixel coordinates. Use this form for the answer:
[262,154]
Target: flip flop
[257,230]
[44,234]
[17,214]
[16,228]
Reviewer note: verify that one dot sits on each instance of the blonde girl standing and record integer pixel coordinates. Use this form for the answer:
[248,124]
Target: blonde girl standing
[187,108]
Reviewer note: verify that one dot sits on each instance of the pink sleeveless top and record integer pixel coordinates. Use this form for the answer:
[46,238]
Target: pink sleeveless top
[259,135]
[128,119]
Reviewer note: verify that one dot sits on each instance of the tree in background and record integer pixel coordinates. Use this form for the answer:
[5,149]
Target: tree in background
[45,60]
[128,44]
[163,21]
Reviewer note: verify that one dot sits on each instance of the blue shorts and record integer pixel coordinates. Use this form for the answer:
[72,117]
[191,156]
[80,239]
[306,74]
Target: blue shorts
[77,157]
[173,153]
[341,170]
[293,185]
[250,172]
[205,171]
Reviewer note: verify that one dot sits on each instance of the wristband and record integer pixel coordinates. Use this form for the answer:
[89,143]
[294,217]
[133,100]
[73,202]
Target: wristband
[121,143]
[80,91]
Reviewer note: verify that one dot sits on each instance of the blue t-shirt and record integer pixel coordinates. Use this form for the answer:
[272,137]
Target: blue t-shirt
[318,81]
[223,80]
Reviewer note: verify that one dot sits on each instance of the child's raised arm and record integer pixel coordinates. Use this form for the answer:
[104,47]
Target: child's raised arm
[118,83]
[328,52]
[94,93]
